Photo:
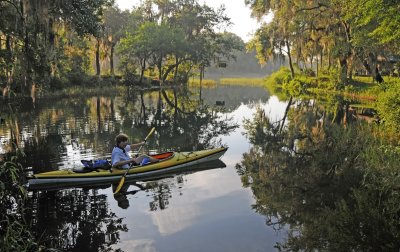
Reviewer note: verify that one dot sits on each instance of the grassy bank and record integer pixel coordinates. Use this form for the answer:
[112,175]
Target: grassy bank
[360,87]
[255,82]
[78,91]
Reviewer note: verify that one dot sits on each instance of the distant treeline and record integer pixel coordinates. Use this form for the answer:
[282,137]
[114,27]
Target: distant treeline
[46,45]
[245,64]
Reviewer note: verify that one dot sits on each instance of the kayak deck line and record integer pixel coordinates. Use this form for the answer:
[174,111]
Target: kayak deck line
[173,161]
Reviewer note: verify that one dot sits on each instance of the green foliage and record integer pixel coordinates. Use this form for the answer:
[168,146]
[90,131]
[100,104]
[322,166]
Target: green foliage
[11,174]
[280,77]
[274,83]
[380,19]
[294,87]
[344,35]
[15,236]
[388,106]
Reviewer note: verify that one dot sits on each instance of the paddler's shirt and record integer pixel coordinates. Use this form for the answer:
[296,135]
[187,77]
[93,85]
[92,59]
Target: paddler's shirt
[118,154]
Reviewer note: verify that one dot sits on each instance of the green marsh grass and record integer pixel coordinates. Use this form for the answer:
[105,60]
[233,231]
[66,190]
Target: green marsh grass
[204,83]
[259,82]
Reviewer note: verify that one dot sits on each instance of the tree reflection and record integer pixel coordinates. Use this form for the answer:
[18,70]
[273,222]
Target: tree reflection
[75,220]
[332,188]
[181,121]
[161,191]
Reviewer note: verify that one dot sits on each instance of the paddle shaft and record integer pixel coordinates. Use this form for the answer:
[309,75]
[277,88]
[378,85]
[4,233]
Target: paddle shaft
[141,146]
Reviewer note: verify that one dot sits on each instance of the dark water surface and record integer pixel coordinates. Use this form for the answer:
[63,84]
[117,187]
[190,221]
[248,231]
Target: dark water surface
[203,211]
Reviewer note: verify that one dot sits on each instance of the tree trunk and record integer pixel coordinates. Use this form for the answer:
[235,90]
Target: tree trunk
[346,114]
[286,113]
[176,68]
[350,62]
[142,69]
[329,60]
[176,101]
[290,58]
[343,71]
[371,66]
[97,56]
[28,84]
[112,59]
[142,109]
[159,65]
[321,62]
[10,69]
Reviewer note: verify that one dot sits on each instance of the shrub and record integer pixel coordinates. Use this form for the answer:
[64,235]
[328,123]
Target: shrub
[388,106]
[280,77]
[295,87]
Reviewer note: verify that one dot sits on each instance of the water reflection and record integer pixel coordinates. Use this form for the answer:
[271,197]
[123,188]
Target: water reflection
[331,187]
[75,220]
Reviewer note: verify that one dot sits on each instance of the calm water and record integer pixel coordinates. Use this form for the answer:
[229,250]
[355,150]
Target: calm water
[203,211]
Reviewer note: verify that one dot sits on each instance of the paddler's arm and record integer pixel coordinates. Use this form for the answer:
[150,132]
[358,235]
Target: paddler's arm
[137,145]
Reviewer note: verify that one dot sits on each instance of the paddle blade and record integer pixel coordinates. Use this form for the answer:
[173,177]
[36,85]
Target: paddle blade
[121,183]
[151,132]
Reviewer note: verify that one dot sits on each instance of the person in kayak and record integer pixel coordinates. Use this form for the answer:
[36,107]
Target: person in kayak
[120,157]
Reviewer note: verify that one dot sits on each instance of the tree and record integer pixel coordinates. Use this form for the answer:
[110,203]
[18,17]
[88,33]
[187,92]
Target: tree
[31,29]
[115,24]
[346,32]
[176,38]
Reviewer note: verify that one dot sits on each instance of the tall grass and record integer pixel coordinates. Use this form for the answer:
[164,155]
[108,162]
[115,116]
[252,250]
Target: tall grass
[204,83]
[259,82]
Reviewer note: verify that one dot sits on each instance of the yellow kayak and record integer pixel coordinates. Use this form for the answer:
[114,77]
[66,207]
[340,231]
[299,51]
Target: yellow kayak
[170,162]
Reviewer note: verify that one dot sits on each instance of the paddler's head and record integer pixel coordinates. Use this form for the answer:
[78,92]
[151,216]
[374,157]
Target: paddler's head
[121,140]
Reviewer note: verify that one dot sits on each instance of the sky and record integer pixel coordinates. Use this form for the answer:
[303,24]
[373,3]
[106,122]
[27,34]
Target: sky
[243,25]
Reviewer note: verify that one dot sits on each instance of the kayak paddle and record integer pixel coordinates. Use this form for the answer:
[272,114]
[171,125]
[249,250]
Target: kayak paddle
[122,181]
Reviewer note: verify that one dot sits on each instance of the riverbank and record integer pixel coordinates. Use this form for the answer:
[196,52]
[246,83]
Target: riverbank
[359,93]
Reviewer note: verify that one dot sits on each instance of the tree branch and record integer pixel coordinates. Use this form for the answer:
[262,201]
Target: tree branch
[313,8]
[14,5]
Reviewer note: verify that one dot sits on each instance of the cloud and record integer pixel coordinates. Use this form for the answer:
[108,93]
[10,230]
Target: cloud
[143,245]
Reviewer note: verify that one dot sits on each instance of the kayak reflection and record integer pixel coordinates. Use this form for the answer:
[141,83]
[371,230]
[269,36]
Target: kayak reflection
[121,196]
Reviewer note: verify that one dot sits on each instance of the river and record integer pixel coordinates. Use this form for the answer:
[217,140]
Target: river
[202,211]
